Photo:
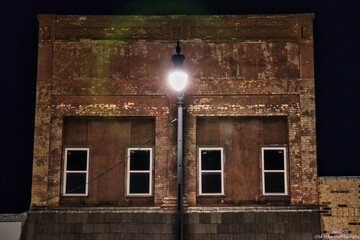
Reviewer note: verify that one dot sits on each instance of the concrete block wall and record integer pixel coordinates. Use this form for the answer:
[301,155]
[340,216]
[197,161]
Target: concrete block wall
[339,199]
[240,223]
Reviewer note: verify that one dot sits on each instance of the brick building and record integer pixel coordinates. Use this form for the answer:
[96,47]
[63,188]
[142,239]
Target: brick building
[105,139]
[340,207]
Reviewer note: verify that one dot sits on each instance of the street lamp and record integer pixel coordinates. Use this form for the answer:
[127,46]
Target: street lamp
[178,80]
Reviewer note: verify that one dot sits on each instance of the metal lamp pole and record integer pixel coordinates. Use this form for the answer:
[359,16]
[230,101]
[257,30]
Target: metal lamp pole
[179,205]
[178,80]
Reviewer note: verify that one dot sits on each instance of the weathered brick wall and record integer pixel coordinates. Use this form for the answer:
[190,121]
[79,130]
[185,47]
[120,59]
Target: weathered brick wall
[339,199]
[117,66]
[241,223]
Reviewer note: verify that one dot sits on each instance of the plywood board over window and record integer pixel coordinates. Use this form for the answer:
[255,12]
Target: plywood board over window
[241,139]
[108,139]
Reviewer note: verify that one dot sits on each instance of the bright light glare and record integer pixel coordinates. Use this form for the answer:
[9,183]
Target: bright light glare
[178,80]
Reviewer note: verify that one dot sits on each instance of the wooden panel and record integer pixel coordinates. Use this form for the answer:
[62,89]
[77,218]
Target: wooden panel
[208,131]
[108,139]
[142,132]
[103,137]
[242,167]
[242,138]
[275,130]
[75,132]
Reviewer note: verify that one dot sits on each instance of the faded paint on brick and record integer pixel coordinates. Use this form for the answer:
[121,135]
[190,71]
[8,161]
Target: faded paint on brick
[117,66]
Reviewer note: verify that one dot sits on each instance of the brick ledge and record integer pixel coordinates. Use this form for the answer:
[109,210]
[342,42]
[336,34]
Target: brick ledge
[310,208]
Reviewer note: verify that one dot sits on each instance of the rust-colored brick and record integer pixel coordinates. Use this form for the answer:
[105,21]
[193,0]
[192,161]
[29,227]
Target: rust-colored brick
[116,66]
[102,85]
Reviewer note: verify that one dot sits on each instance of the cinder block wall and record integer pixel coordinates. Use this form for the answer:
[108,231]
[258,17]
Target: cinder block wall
[243,223]
[340,206]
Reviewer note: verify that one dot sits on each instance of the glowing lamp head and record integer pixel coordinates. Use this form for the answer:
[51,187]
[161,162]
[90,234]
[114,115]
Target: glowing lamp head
[178,80]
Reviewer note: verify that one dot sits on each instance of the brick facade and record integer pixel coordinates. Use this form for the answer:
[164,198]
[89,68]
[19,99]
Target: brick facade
[340,206]
[116,66]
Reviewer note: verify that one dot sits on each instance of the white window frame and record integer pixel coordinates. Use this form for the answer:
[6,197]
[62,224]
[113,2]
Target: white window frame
[263,171]
[66,149]
[214,171]
[128,171]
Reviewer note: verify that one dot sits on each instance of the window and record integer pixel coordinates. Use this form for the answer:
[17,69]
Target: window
[76,172]
[139,172]
[274,179]
[211,171]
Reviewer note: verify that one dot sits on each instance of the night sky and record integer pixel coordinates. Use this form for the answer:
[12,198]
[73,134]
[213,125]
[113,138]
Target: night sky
[336,41]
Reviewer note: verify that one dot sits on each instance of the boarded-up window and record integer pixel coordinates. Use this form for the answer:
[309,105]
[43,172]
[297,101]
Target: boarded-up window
[242,139]
[108,139]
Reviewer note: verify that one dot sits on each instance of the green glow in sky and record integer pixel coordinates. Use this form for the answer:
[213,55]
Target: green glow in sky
[161,7]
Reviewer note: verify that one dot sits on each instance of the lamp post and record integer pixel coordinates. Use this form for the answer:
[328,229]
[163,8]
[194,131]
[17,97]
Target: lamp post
[178,80]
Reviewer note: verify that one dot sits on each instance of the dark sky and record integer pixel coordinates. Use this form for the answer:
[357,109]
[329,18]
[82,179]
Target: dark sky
[336,41]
